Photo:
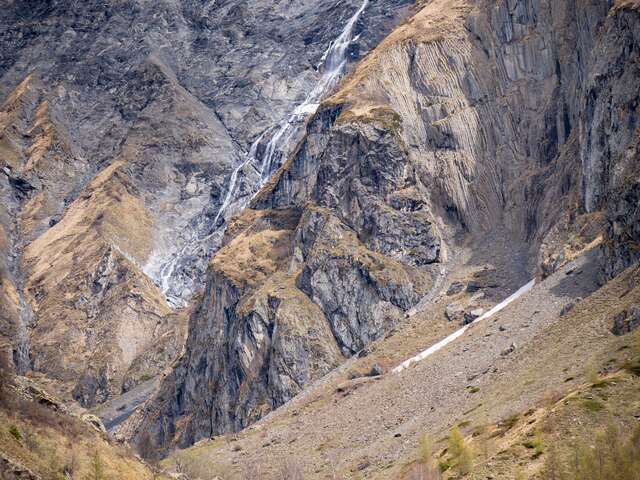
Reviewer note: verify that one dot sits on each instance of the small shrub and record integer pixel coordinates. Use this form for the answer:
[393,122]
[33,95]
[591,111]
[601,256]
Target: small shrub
[426,450]
[96,468]
[71,466]
[633,367]
[15,433]
[460,453]
[536,443]
[592,405]
[426,468]
[444,465]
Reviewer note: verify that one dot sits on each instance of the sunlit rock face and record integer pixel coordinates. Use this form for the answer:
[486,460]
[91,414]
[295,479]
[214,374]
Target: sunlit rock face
[471,118]
[126,135]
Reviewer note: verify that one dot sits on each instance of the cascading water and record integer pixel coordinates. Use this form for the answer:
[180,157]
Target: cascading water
[333,62]
[21,352]
[263,161]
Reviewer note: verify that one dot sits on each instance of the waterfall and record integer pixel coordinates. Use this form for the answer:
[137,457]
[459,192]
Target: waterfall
[21,351]
[264,161]
[333,62]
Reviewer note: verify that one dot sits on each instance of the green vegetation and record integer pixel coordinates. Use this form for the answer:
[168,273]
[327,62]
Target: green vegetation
[15,433]
[96,468]
[611,455]
[460,454]
[536,443]
[592,405]
[426,450]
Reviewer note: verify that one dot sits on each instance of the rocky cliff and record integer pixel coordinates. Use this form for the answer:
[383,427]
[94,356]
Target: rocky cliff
[470,119]
[155,154]
[121,129]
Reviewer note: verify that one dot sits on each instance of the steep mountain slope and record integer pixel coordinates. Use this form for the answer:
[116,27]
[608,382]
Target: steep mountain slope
[39,440]
[355,424]
[122,128]
[202,161]
[473,121]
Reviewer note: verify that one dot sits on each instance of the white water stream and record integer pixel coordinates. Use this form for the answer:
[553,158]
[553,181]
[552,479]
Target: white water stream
[458,333]
[333,62]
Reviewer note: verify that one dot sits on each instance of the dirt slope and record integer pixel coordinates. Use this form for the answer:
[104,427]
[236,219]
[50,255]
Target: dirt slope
[369,427]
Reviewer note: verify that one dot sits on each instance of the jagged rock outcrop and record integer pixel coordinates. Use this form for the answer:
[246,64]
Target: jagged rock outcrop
[120,127]
[471,118]
[626,321]
[12,470]
[290,294]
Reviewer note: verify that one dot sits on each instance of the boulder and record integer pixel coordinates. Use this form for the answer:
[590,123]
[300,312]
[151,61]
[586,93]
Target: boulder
[455,288]
[462,314]
[94,421]
[454,312]
[626,321]
[471,315]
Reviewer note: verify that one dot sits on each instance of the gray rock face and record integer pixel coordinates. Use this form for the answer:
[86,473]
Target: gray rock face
[359,171]
[610,148]
[290,294]
[470,117]
[623,228]
[117,76]
[357,297]
[163,99]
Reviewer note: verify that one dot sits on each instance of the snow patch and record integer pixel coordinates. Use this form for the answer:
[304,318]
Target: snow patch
[458,333]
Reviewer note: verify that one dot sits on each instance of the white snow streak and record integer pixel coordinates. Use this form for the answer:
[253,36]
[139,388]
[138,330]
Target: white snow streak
[458,333]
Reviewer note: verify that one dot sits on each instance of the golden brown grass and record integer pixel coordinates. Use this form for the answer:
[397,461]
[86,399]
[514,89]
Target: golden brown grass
[52,444]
